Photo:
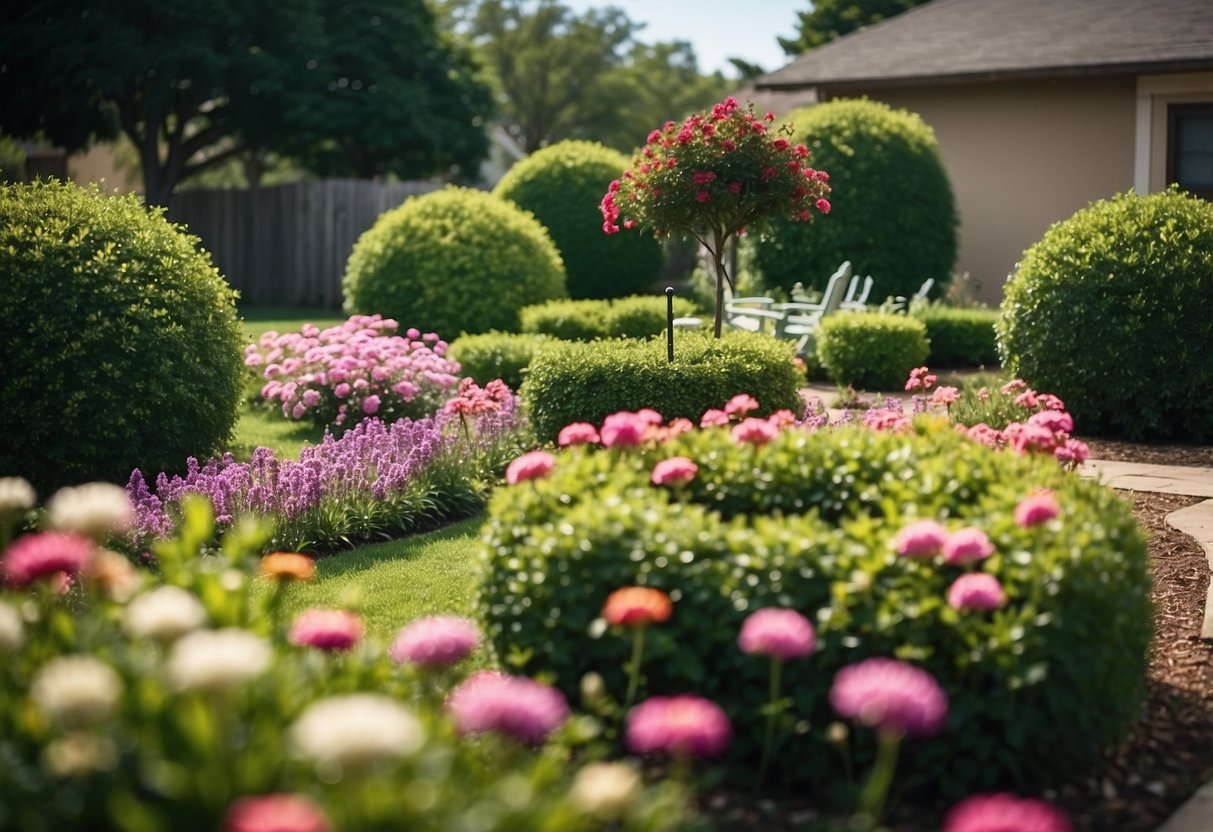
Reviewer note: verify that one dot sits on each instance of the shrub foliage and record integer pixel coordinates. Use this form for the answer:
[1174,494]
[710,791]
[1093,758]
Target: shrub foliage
[456,260]
[562,185]
[120,339]
[583,382]
[871,350]
[893,213]
[639,316]
[1110,310]
[504,355]
[960,337]
[808,521]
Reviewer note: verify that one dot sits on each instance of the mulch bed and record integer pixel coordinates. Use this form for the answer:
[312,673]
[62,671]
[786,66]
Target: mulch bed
[1154,454]
[1168,754]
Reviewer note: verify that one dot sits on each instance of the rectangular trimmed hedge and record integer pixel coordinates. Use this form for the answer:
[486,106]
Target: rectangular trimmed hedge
[638,316]
[960,337]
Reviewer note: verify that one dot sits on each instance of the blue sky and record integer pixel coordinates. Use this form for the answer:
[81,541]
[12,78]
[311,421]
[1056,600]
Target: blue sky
[718,29]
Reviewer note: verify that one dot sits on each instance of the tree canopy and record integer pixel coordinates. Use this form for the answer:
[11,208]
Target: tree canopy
[830,19]
[363,88]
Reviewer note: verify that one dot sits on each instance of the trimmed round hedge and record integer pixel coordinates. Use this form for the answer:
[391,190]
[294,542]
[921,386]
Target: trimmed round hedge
[574,381]
[120,339]
[960,337]
[452,261]
[807,521]
[871,350]
[892,212]
[639,316]
[1113,311]
[491,355]
[562,185]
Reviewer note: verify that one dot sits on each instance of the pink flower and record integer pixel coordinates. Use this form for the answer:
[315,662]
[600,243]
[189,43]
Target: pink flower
[976,592]
[713,418]
[649,416]
[946,396]
[890,696]
[782,418]
[1057,421]
[675,470]
[986,435]
[45,555]
[1027,399]
[578,433]
[1038,508]
[520,708]
[623,430]
[311,398]
[967,546]
[755,431]
[342,390]
[1073,452]
[681,726]
[435,641]
[370,405]
[779,633]
[741,404]
[331,630]
[823,205]
[921,539]
[275,813]
[984,394]
[1024,437]
[920,379]
[530,466]
[703,196]
[1004,813]
[1050,402]
[1013,385]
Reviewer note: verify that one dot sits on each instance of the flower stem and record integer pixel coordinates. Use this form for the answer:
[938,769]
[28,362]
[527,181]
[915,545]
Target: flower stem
[872,799]
[634,666]
[768,742]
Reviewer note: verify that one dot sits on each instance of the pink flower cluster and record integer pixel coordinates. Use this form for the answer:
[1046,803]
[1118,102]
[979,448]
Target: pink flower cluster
[724,166]
[360,368]
[890,696]
[328,630]
[523,709]
[435,641]
[1005,813]
[678,726]
[45,556]
[779,633]
[920,378]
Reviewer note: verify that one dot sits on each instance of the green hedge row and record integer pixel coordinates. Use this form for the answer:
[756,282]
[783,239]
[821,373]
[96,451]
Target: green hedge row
[638,316]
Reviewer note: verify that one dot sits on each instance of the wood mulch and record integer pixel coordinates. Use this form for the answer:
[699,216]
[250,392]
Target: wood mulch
[1168,754]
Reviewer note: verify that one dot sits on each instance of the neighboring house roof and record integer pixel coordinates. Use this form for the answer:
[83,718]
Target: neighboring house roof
[964,40]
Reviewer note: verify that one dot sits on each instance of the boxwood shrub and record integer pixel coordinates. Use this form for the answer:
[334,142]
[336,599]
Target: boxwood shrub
[960,337]
[1111,311]
[490,355]
[893,213]
[121,344]
[638,316]
[807,521]
[583,382]
[562,185]
[871,350]
[455,260]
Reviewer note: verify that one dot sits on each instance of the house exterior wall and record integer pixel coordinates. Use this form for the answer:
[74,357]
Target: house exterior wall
[1022,155]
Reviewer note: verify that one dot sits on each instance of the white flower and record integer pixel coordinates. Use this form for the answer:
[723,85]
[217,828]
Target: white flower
[16,495]
[94,509]
[76,690]
[217,660]
[356,729]
[165,614]
[78,754]
[605,790]
[12,630]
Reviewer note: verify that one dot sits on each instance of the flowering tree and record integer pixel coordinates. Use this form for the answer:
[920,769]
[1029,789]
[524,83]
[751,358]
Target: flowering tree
[715,175]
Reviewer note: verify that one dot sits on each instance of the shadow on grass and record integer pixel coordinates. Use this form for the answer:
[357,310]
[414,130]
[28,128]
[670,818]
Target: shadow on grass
[454,537]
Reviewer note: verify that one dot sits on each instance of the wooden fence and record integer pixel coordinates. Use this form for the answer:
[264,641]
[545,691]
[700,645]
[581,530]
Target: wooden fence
[287,245]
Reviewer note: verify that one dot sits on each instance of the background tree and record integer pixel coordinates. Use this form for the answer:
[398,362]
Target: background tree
[195,85]
[830,19]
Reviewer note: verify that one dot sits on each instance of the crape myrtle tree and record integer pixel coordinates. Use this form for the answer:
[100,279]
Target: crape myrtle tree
[363,88]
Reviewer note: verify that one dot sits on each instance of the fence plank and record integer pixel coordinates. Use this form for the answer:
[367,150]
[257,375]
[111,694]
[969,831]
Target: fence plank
[287,245]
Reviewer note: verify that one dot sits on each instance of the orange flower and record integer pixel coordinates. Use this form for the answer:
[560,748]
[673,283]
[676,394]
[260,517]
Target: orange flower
[288,566]
[637,606]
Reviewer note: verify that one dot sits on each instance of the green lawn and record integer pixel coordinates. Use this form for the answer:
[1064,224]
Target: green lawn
[259,319]
[390,584]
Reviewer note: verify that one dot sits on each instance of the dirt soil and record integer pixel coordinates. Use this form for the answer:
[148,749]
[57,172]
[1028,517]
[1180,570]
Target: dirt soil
[1168,754]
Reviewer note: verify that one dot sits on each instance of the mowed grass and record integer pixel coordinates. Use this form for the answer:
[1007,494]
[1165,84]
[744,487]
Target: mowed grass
[259,319]
[390,584]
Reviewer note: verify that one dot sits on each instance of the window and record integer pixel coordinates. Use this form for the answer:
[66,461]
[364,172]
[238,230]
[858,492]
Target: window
[1190,148]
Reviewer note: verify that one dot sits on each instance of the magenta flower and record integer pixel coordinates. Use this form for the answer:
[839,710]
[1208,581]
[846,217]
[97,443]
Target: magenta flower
[530,466]
[890,696]
[275,813]
[1056,421]
[755,431]
[1004,813]
[713,418]
[976,592]
[967,546]
[675,470]
[370,405]
[681,726]
[45,555]
[920,539]
[332,630]
[1072,452]
[650,416]
[624,430]
[578,433]
[520,708]
[741,404]
[435,641]
[779,633]
[1038,508]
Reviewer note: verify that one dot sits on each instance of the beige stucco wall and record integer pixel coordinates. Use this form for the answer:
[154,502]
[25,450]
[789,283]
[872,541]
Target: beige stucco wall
[1022,155]
[102,164]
